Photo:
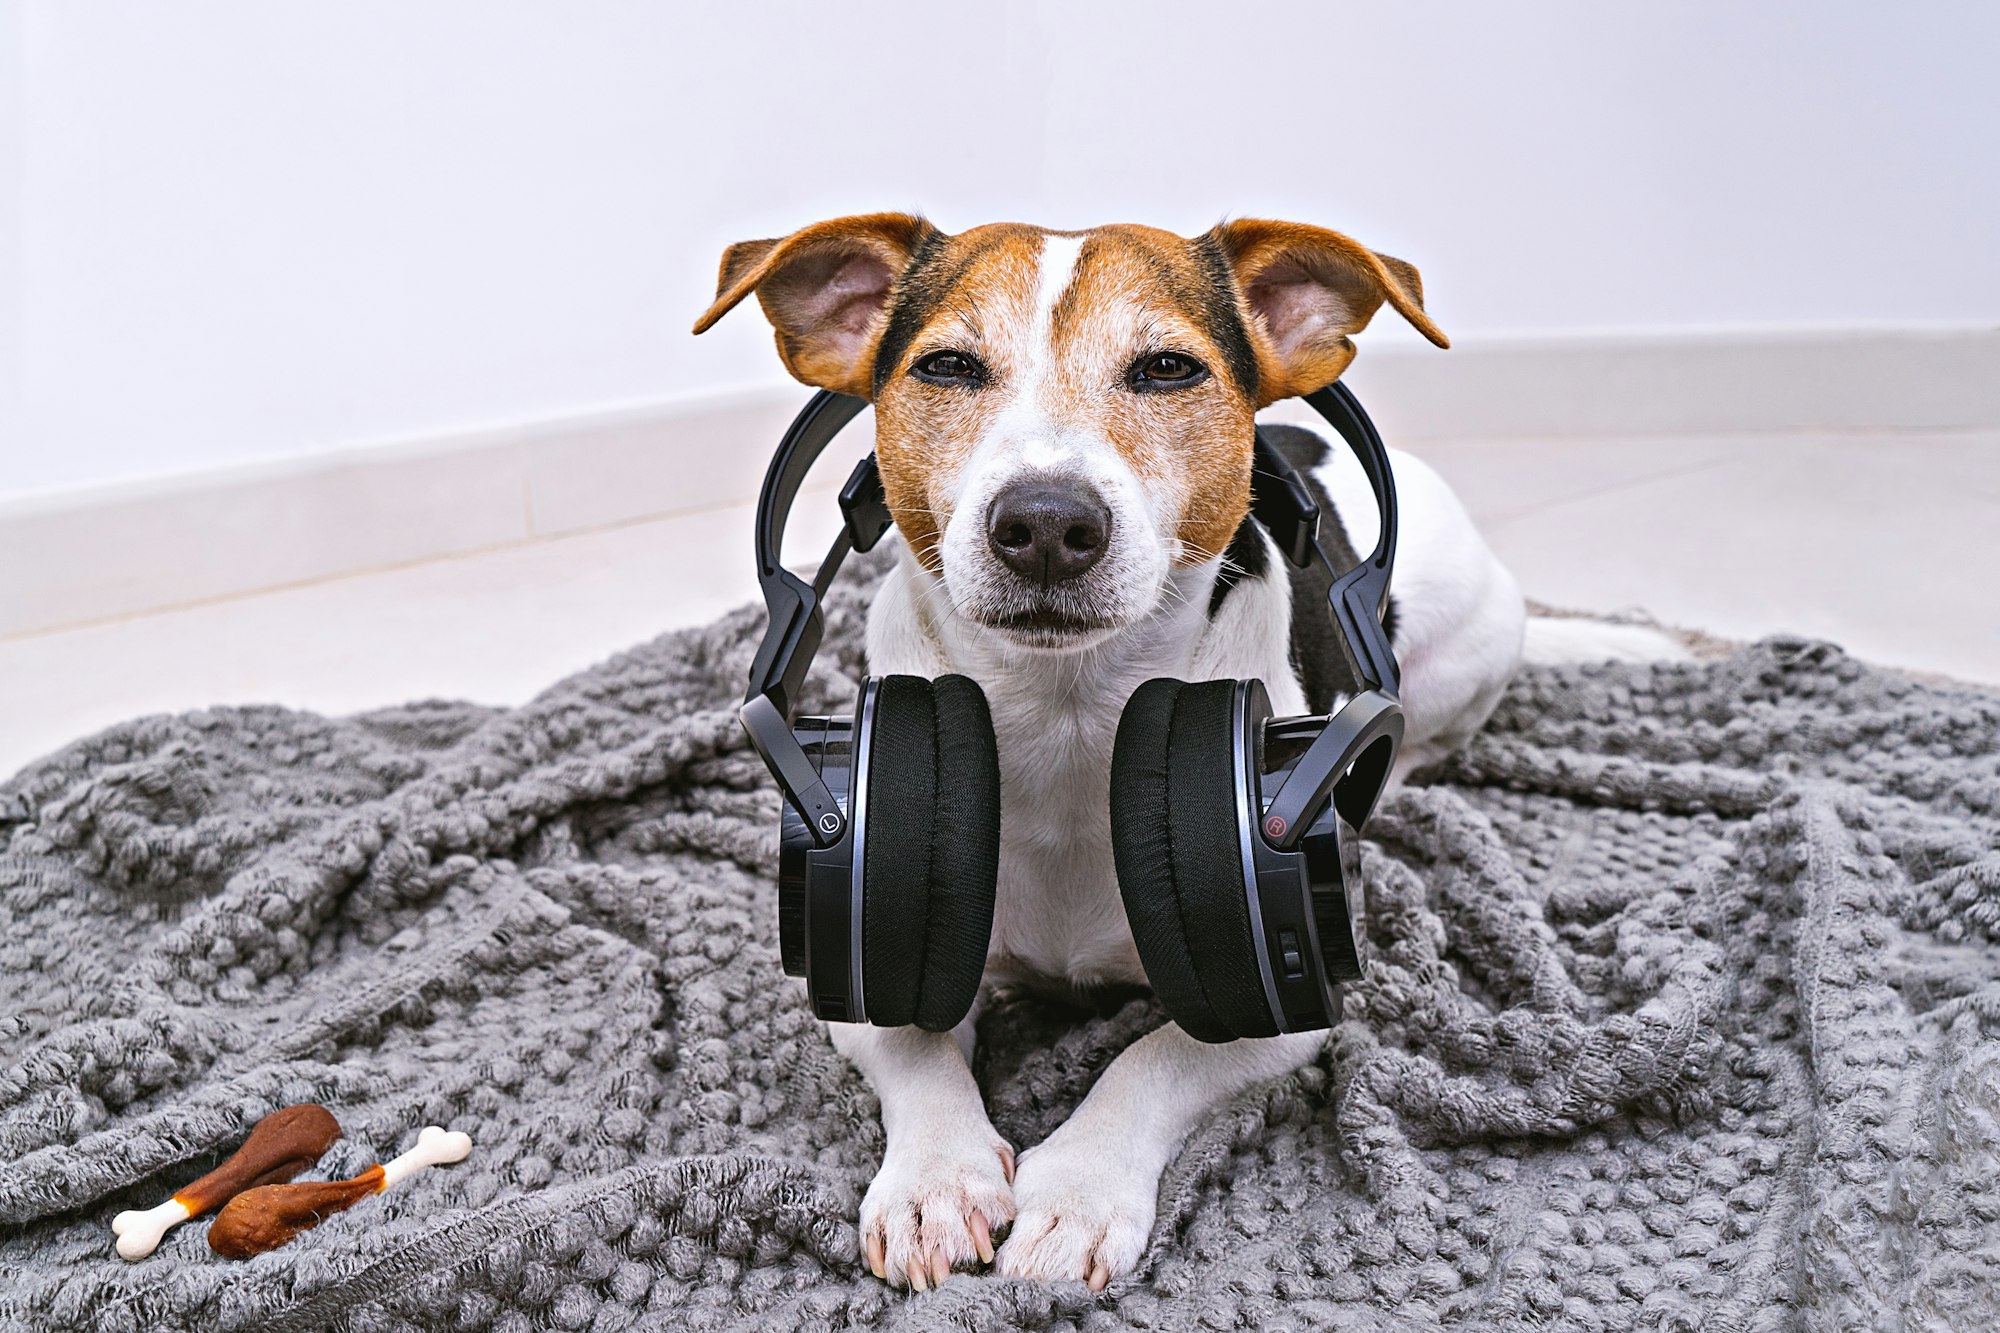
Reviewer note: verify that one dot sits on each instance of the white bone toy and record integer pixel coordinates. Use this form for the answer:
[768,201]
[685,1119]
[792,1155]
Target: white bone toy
[266,1217]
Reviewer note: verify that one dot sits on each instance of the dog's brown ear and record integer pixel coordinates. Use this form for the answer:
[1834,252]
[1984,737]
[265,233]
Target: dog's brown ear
[825,290]
[1305,289]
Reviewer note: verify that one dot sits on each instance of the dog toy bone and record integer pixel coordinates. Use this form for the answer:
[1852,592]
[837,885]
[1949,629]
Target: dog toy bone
[265,1218]
[281,1145]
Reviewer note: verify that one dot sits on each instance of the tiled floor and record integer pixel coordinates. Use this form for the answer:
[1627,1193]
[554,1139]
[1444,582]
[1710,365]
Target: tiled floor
[1884,543]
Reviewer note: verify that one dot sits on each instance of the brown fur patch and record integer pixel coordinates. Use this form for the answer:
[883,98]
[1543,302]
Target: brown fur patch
[959,299]
[1305,289]
[826,290]
[1137,292]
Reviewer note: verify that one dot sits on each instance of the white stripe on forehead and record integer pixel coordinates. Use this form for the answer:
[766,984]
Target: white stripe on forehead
[1055,271]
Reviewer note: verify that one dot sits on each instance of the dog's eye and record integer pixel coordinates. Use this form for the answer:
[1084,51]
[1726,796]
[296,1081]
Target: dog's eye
[1167,370]
[949,368]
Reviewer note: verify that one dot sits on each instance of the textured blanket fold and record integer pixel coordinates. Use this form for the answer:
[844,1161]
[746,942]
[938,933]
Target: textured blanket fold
[1681,995]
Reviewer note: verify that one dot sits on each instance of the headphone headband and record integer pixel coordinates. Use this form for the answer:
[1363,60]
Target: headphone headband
[1360,596]
[1279,501]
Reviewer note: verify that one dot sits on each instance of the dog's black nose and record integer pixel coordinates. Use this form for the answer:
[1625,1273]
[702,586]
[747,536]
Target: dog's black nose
[1048,531]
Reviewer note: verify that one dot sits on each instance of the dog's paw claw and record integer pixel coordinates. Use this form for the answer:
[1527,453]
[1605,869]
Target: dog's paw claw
[873,1248]
[982,1237]
[933,1208]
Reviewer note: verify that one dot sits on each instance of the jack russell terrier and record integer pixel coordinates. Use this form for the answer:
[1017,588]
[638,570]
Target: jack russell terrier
[1064,425]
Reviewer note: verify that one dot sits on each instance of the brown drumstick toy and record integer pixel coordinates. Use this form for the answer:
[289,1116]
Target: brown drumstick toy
[283,1144]
[263,1219]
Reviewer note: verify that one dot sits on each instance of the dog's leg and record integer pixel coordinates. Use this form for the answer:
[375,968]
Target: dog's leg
[1087,1193]
[946,1180]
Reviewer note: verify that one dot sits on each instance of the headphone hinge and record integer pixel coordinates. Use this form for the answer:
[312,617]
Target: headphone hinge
[865,505]
[1282,504]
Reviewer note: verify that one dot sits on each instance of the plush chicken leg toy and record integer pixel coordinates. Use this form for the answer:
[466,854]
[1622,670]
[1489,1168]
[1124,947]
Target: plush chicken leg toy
[265,1218]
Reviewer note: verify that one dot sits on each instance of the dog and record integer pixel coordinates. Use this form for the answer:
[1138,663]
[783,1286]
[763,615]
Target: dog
[1064,427]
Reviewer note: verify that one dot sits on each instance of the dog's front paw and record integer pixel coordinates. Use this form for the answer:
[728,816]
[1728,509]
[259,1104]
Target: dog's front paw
[1085,1211]
[935,1205]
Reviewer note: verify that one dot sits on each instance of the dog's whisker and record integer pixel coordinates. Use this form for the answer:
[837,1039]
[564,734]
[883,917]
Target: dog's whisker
[1198,549]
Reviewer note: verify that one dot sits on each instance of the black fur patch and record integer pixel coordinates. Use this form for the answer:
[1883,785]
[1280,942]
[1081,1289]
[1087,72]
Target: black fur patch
[1247,557]
[1224,317]
[924,283]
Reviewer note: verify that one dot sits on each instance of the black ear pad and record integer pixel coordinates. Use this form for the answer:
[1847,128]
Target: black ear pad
[1180,864]
[932,851]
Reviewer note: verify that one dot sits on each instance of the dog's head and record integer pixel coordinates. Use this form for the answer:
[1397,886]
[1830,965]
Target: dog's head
[1063,418]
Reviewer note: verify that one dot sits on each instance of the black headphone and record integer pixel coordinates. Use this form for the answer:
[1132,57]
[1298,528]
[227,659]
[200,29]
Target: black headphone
[1226,823]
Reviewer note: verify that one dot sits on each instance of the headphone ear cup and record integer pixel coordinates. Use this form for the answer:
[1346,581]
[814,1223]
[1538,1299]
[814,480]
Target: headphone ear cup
[932,853]
[1180,861]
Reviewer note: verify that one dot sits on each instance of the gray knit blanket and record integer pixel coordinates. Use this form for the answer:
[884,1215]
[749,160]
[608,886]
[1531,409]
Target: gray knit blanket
[1679,1011]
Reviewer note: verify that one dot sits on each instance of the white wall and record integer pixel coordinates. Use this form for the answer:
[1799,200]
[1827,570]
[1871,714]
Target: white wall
[12,252]
[244,231]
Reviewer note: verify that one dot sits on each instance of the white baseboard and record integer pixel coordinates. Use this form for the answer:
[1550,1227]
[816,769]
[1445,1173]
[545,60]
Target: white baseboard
[1713,384]
[97,553]
[105,552]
